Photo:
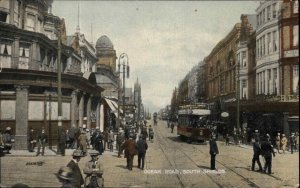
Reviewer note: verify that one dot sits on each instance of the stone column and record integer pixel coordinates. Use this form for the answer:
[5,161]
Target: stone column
[88,112]
[15,53]
[81,110]
[98,114]
[74,108]
[286,128]
[21,117]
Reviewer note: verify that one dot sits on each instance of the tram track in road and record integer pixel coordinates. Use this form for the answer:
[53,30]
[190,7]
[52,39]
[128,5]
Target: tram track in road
[179,148]
[160,140]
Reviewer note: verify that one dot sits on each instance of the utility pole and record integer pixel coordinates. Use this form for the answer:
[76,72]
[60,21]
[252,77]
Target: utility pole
[238,100]
[59,101]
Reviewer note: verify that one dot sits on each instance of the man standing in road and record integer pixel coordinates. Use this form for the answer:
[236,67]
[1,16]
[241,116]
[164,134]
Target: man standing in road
[213,150]
[257,152]
[172,127]
[142,146]
[267,151]
[73,164]
[42,139]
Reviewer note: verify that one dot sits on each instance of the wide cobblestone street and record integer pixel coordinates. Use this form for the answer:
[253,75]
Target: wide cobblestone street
[169,163]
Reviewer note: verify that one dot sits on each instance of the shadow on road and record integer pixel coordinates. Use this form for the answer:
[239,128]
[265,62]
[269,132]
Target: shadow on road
[241,167]
[175,139]
[121,166]
[203,167]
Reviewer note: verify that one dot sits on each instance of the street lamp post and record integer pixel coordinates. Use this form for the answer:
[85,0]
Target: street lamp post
[125,65]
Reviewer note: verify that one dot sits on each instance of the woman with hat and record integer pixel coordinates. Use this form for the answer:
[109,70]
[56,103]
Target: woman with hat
[73,164]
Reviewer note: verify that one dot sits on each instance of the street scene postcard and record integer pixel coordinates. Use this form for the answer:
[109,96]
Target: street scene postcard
[158,94]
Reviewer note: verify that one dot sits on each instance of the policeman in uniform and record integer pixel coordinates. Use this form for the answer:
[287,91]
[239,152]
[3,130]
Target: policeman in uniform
[142,147]
[213,150]
[94,171]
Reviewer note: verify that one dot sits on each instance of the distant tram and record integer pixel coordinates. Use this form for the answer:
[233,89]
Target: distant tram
[192,123]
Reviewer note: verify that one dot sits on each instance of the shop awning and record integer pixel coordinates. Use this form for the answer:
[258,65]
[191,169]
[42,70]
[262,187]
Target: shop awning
[113,106]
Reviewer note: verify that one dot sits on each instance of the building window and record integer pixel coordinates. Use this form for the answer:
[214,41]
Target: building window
[296,79]
[264,82]
[3,16]
[296,6]
[295,35]
[274,10]
[264,16]
[269,43]
[274,41]
[264,45]
[257,19]
[244,59]
[274,80]
[269,13]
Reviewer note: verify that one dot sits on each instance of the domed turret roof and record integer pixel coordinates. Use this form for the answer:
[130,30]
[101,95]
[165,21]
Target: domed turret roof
[104,42]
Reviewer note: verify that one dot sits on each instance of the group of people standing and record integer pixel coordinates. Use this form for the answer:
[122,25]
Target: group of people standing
[5,141]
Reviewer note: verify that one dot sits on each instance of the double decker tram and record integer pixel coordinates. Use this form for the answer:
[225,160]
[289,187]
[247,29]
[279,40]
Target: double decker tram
[192,123]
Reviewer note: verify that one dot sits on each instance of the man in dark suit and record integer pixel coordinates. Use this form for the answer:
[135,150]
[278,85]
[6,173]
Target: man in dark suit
[257,152]
[213,150]
[142,146]
[73,164]
[42,139]
[267,151]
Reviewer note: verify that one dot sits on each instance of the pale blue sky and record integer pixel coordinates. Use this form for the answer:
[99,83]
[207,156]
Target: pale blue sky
[163,40]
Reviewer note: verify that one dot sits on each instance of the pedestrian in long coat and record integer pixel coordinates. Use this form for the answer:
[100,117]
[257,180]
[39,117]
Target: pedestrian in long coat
[256,152]
[142,147]
[213,151]
[31,140]
[120,139]
[292,142]
[73,165]
[172,127]
[111,139]
[130,151]
[1,144]
[98,141]
[278,143]
[83,142]
[267,151]
[283,143]
[106,139]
